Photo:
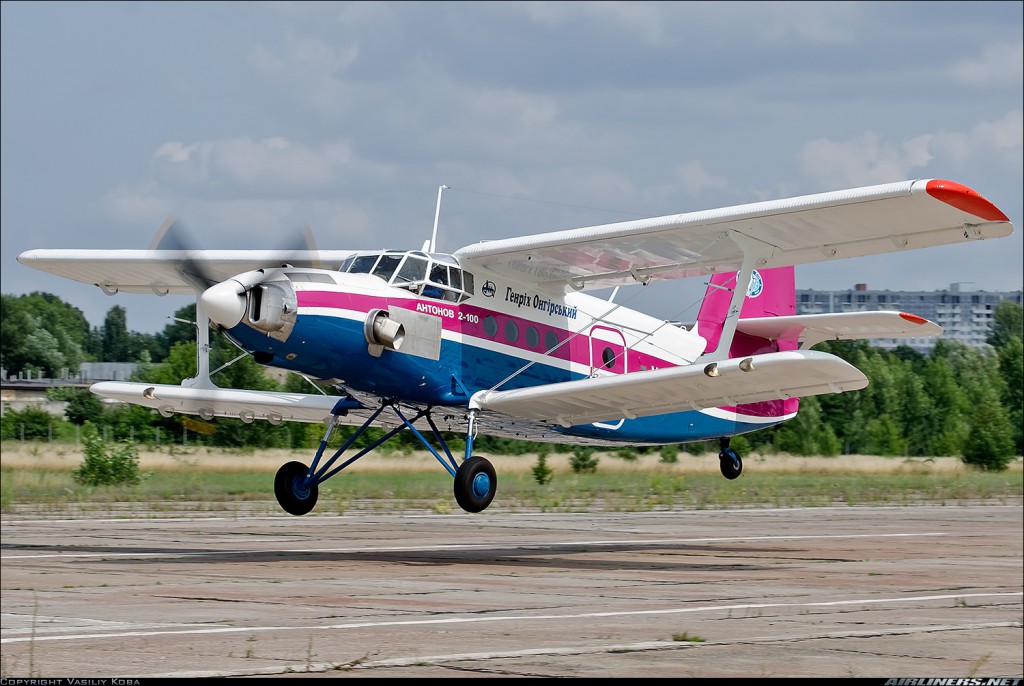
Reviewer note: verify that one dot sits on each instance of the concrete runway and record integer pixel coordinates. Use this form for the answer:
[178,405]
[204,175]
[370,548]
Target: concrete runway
[919,591]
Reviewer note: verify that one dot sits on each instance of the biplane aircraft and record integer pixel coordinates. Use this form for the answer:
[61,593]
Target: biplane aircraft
[502,338]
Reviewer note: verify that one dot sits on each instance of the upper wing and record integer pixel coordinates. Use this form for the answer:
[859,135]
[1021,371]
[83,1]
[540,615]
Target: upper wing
[810,228]
[810,329]
[164,271]
[758,378]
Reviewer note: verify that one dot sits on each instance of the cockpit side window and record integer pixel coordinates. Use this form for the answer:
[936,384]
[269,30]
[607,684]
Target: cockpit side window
[413,270]
[386,266]
[362,264]
[439,274]
[455,275]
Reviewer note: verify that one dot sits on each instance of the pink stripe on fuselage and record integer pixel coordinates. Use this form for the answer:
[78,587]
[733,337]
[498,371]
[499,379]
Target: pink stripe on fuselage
[468,320]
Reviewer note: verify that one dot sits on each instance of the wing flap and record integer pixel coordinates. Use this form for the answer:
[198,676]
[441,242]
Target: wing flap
[246,405]
[771,376]
[810,329]
[801,230]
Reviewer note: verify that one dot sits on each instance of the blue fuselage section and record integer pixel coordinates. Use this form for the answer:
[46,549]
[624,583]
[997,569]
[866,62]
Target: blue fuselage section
[475,356]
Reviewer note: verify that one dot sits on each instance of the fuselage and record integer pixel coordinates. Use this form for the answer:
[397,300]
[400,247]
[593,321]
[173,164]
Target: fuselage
[480,332]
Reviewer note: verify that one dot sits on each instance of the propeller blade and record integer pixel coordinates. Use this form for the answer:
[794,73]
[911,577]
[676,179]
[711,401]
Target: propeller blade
[174,235]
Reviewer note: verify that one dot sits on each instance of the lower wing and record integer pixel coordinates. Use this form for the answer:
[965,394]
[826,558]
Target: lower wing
[208,403]
[757,378]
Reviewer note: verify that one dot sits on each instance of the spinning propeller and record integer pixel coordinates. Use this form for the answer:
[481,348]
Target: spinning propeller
[224,301]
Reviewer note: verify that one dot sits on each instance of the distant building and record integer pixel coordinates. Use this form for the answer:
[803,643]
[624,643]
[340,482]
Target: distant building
[964,315]
[27,390]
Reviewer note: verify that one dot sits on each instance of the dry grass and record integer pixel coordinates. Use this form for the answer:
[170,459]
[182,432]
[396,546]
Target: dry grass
[57,457]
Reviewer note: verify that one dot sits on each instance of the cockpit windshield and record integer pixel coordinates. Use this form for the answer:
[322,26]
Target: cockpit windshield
[434,275]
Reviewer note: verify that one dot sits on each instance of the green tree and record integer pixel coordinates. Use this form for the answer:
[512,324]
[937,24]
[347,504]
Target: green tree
[116,346]
[30,424]
[106,466]
[945,425]
[42,334]
[542,473]
[83,406]
[807,433]
[1011,369]
[885,437]
[583,460]
[1007,323]
[989,443]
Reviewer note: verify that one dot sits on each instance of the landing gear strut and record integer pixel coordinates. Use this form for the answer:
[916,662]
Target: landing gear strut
[729,461]
[296,485]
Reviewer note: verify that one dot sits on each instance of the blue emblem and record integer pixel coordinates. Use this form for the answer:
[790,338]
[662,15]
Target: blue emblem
[756,285]
[487,289]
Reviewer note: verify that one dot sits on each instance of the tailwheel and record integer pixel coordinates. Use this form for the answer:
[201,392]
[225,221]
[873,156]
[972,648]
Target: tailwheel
[730,462]
[292,494]
[475,484]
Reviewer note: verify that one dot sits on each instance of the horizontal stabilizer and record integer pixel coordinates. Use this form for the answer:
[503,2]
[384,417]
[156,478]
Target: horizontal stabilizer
[810,329]
[757,378]
[274,407]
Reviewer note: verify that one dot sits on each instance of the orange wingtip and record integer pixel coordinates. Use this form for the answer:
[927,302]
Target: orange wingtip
[963,198]
[913,318]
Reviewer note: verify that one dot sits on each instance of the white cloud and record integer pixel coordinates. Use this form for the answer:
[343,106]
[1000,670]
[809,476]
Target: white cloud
[659,24]
[999,66]
[863,161]
[270,165]
[868,159]
[1000,141]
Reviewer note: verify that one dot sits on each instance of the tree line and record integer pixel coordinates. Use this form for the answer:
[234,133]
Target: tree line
[954,400]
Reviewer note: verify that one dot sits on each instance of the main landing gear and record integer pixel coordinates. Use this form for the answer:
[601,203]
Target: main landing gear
[296,485]
[729,461]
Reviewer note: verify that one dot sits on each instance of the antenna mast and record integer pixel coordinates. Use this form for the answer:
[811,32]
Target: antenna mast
[437,213]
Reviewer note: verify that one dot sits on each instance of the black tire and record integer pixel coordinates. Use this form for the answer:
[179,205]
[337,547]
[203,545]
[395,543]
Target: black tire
[475,484]
[291,495]
[731,464]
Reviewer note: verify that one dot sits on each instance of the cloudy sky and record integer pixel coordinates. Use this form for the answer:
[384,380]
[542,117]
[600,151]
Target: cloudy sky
[249,121]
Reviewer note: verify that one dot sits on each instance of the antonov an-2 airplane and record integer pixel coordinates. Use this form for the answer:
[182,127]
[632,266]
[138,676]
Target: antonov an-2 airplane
[501,338]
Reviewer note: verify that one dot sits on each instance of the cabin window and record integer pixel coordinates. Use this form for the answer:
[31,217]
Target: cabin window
[608,356]
[511,331]
[532,337]
[490,326]
[550,340]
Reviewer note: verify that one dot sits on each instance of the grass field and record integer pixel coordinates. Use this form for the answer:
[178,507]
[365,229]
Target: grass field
[37,478]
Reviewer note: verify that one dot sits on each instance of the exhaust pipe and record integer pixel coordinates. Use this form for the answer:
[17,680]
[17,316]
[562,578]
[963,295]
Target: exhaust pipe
[382,332]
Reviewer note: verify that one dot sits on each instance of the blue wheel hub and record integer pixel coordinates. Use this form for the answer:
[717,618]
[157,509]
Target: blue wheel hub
[299,487]
[481,485]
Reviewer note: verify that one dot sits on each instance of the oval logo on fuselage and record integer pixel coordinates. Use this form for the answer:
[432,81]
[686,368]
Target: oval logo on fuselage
[756,285]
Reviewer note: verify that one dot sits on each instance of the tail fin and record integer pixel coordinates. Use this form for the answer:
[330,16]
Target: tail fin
[772,293]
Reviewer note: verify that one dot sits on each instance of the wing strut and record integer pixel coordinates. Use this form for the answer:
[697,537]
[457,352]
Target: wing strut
[755,254]
[202,377]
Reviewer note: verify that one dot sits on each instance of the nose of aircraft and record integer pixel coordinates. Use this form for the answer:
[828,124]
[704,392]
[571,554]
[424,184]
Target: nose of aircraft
[224,303]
